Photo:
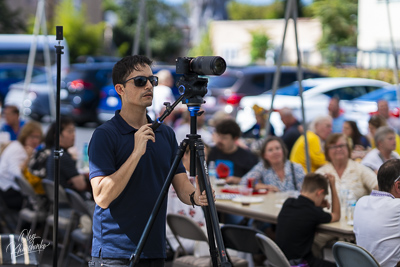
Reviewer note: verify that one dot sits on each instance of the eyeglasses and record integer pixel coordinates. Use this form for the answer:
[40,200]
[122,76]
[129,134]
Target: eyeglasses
[398,178]
[337,146]
[141,81]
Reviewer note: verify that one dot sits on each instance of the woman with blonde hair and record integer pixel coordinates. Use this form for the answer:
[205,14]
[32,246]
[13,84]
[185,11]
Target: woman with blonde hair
[14,160]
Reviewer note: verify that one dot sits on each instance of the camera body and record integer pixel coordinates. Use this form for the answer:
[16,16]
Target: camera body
[190,85]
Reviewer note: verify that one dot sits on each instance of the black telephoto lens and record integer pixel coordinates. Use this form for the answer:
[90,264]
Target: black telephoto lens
[208,65]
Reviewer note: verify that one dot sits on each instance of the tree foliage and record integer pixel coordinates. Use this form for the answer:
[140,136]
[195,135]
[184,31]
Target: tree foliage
[165,37]
[10,21]
[83,38]
[204,48]
[276,10]
[259,45]
[339,22]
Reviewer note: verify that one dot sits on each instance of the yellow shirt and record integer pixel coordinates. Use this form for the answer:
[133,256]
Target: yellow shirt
[372,141]
[317,156]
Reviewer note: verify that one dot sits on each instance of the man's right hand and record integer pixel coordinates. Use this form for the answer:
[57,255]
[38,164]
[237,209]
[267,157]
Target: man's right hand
[144,134]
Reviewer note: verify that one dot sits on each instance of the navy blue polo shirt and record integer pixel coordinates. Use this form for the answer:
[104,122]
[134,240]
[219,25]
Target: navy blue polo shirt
[117,229]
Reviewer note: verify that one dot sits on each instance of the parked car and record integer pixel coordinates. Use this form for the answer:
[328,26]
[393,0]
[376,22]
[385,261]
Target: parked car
[80,90]
[316,96]
[14,72]
[226,91]
[361,108]
[35,102]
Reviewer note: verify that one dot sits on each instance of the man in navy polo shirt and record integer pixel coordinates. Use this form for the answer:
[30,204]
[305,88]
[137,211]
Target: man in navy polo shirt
[127,172]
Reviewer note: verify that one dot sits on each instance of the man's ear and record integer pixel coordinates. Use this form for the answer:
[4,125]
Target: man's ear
[119,88]
[396,189]
[320,191]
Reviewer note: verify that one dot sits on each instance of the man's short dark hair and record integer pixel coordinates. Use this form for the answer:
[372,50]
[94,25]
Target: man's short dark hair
[228,126]
[387,174]
[313,182]
[126,65]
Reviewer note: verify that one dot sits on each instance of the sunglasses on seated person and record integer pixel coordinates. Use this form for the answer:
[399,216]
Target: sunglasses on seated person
[397,179]
[141,81]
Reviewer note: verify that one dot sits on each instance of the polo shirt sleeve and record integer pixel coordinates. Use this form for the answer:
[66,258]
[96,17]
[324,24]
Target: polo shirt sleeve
[101,154]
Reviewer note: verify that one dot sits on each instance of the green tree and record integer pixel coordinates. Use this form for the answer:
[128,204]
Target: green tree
[10,21]
[83,38]
[165,36]
[259,45]
[339,22]
[276,10]
[204,48]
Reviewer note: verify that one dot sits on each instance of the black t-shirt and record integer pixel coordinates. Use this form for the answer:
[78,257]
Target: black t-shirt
[236,164]
[297,222]
[67,168]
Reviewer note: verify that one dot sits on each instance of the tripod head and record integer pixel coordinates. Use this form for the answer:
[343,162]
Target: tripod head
[192,87]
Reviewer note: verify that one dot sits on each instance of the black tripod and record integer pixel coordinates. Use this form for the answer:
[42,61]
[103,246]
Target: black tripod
[194,99]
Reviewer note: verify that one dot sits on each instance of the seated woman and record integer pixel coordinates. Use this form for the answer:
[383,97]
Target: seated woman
[14,160]
[275,172]
[349,175]
[375,122]
[359,143]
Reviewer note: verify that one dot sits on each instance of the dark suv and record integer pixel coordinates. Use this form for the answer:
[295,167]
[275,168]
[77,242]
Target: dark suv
[80,90]
[226,91]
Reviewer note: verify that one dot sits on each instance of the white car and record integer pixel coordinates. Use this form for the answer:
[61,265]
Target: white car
[316,95]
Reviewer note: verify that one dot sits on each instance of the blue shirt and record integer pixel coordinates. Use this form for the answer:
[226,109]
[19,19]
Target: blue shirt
[13,135]
[117,229]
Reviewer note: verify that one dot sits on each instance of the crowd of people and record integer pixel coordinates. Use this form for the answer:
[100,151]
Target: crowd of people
[129,162]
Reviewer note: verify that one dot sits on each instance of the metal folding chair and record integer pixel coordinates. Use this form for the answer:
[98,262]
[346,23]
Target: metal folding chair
[271,250]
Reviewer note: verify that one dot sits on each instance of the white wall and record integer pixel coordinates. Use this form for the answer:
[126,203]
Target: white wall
[231,39]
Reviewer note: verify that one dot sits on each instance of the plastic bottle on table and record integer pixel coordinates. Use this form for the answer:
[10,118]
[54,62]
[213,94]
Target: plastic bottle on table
[212,172]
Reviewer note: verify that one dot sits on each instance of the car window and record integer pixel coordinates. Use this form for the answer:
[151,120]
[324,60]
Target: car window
[371,88]
[291,90]
[221,81]
[103,76]
[287,78]
[347,93]
[376,95]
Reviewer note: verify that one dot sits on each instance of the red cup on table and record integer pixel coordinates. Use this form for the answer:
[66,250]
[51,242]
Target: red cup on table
[250,182]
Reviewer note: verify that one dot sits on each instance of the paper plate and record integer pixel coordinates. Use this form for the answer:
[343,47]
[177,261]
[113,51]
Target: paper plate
[243,199]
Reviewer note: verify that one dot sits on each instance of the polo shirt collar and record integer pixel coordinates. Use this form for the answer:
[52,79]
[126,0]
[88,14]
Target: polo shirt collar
[376,193]
[124,127]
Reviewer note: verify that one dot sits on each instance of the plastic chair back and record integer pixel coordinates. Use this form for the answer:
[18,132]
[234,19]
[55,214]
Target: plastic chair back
[48,186]
[241,238]
[349,255]
[185,227]
[271,250]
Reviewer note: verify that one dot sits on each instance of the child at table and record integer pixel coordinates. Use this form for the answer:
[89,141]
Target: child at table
[299,218]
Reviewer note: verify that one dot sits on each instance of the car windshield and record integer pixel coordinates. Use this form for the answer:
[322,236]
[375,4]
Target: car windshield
[376,95]
[221,81]
[291,90]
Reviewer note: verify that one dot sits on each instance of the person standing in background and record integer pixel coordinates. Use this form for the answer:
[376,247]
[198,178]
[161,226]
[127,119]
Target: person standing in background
[337,117]
[13,123]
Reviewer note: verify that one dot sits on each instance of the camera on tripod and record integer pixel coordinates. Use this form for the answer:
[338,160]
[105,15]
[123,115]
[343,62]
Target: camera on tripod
[190,85]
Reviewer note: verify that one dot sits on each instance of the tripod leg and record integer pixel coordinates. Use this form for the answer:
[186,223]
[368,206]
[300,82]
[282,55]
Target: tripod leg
[210,213]
[136,255]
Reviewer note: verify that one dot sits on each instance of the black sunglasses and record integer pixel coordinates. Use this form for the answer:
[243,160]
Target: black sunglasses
[141,81]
